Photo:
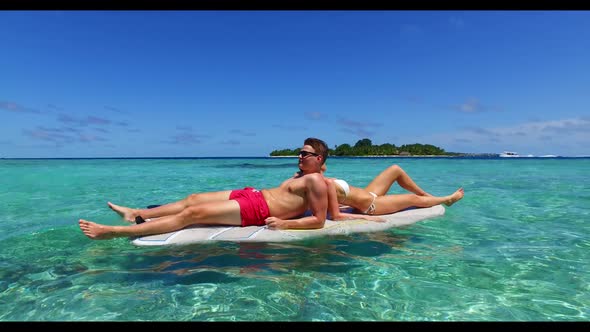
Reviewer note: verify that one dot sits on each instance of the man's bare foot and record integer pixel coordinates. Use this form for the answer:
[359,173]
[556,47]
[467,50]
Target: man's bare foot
[95,231]
[455,197]
[128,214]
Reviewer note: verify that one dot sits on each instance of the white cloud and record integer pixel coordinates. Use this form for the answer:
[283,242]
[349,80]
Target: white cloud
[456,22]
[472,105]
[313,115]
[566,137]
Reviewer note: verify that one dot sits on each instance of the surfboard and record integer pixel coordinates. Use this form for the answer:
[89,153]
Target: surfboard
[200,234]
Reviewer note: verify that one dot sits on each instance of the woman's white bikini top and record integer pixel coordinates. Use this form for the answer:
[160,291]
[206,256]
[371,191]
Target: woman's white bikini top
[344,185]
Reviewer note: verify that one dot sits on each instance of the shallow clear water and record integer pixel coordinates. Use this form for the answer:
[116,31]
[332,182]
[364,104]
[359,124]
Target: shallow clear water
[514,249]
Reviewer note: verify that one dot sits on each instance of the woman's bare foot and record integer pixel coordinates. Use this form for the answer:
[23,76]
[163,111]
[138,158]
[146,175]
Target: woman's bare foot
[95,231]
[455,197]
[128,214]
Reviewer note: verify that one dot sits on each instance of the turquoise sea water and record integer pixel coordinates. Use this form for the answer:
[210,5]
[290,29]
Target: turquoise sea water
[514,249]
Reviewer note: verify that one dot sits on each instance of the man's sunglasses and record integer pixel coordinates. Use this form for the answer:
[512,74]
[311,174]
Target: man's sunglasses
[304,154]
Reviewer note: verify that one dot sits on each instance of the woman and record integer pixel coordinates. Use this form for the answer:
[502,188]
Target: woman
[372,200]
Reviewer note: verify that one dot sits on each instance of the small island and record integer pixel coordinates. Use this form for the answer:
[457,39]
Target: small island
[365,148]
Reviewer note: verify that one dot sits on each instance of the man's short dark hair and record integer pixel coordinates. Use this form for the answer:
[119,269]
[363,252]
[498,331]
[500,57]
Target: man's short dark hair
[319,146]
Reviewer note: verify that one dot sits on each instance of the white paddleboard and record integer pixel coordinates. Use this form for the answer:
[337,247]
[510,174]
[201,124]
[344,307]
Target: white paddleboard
[199,234]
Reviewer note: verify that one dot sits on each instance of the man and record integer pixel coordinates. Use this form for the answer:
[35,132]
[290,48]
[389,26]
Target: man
[246,207]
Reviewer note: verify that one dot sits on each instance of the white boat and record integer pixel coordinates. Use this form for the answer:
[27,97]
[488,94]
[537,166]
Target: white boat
[509,154]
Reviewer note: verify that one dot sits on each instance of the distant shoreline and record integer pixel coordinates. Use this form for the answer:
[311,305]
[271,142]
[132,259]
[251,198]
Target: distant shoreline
[475,156]
[398,156]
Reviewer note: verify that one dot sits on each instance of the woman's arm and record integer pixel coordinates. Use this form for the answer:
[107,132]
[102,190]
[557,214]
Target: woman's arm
[349,216]
[334,206]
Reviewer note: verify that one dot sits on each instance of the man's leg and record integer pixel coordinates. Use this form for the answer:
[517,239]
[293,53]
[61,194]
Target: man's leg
[129,214]
[210,213]
[382,182]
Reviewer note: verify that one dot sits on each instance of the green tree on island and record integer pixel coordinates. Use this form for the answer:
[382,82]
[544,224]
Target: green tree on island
[365,147]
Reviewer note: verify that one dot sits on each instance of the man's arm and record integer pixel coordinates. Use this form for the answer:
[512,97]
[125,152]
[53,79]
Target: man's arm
[317,196]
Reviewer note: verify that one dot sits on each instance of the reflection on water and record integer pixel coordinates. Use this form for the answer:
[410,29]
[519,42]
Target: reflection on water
[207,261]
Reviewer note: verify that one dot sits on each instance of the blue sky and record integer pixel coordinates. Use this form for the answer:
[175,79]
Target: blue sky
[244,83]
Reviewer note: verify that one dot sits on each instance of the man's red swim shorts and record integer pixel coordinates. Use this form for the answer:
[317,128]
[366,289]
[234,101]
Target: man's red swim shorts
[253,207]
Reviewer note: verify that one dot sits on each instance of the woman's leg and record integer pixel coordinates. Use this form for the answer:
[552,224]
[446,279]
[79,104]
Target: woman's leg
[210,213]
[394,203]
[129,214]
[382,182]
